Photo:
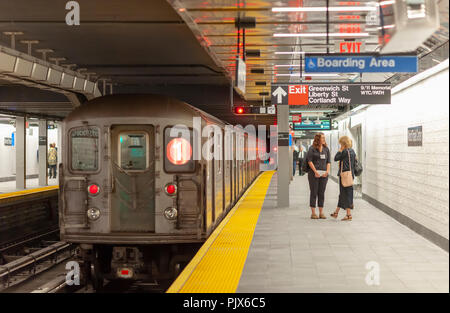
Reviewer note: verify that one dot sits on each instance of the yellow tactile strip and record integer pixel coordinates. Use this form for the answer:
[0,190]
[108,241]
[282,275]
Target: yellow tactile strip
[218,265]
[27,192]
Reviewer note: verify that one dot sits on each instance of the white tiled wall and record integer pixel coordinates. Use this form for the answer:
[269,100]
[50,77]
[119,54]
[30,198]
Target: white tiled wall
[412,180]
[8,153]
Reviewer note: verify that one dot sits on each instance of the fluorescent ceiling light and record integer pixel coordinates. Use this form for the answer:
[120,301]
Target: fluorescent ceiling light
[310,74]
[289,52]
[287,65]
[324,9]
[386,2]
[321,34]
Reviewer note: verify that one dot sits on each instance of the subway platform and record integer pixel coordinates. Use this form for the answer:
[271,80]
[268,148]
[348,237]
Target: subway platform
[260,248]
[32,183]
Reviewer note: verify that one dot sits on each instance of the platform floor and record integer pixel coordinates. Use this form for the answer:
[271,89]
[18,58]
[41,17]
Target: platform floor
[292,253]
[32,183]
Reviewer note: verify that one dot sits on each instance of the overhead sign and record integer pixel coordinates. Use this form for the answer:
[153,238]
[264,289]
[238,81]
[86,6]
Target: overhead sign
[335,93]
[321,124]
[361,64]
[349,46]
[253,110]
[415,136]
[241,75]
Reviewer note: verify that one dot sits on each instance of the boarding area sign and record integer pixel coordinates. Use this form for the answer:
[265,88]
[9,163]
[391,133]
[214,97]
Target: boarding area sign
[331,93]
[361,64]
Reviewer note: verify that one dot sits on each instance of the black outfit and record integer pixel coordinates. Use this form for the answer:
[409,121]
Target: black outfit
[295,159]
[317,186]
[345,193]
[301,159]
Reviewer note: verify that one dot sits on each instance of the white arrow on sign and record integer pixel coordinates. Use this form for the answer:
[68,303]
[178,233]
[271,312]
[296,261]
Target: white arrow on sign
[279,93]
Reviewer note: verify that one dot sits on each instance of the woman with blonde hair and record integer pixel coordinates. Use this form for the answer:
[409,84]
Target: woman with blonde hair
[347,160]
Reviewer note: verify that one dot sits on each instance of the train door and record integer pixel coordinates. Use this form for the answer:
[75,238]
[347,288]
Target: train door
[245,161]
[209,182]
[235,171]
[219,181]
[227,170]
[132,198]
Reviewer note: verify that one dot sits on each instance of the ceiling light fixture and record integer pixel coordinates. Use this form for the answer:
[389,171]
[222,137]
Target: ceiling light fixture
[321,34]
[289,52]
[324,9]
[310,74]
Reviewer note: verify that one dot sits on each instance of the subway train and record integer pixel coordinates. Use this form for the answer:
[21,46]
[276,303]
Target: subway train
[131,193]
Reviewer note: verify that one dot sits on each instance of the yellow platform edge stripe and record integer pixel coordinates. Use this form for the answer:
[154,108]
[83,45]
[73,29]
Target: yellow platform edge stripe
[27,192]
[233,237]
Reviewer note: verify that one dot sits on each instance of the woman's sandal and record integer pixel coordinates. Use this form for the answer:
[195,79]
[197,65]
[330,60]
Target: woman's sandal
[335,215]
[347,218]
[314,216]
[322,216]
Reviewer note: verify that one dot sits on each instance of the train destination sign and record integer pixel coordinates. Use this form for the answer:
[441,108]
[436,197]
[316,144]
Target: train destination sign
[335,93]
[361,64]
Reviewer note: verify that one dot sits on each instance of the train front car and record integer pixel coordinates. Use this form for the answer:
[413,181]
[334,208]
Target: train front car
[131,194]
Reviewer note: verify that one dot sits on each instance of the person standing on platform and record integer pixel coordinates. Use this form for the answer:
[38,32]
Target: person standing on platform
[52,160]
[347,162]
[295,158]
[318,158]
[301,159]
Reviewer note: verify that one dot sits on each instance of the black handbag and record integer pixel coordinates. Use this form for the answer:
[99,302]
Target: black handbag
[358,168]
[305,166]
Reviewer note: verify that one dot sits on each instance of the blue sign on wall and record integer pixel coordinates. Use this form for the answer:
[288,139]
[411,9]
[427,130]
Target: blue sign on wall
[361,64]
[13,139]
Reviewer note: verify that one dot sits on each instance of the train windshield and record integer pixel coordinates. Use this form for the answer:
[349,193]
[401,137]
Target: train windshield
[84,142]
[133,151]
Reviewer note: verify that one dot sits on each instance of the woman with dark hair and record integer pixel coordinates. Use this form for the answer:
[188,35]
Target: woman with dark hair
[318,159]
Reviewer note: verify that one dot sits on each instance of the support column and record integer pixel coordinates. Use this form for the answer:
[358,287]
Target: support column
[21,152]
[283,174]
[43,143]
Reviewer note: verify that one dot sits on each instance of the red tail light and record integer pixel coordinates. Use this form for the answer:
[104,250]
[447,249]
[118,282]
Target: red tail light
[179,151]
[170,189]
[93,189]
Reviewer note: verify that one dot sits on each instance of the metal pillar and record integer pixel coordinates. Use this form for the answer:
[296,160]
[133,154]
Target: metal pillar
[43,143]
[21,153]
[283,174]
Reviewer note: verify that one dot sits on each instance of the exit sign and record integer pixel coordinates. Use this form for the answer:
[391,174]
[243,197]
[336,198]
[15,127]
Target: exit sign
[296,118]
[349,47]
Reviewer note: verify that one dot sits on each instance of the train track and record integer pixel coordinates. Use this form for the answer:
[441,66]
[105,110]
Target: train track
[34,263]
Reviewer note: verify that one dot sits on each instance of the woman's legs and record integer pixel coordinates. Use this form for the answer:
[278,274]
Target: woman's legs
[322,185]
[313,187]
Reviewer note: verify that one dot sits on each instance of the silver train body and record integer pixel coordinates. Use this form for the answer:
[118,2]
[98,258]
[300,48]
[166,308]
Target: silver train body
[131,194]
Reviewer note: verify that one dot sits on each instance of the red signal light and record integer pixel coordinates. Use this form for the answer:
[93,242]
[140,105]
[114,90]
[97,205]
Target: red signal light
[179,151]
[239,110]
[93,189]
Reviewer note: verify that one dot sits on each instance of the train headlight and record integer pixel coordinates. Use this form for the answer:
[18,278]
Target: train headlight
[170,189]
[171,213]
[93,214]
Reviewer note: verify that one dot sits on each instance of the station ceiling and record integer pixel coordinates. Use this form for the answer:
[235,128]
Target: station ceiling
[139,45]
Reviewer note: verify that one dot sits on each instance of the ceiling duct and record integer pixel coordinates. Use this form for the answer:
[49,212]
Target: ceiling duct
[407,24]
[24,69]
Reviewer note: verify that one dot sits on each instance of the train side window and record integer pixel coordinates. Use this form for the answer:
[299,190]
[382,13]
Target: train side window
[84,142]
[133,151]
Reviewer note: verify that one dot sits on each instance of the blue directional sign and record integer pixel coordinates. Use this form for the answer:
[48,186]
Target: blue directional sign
[361,64]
